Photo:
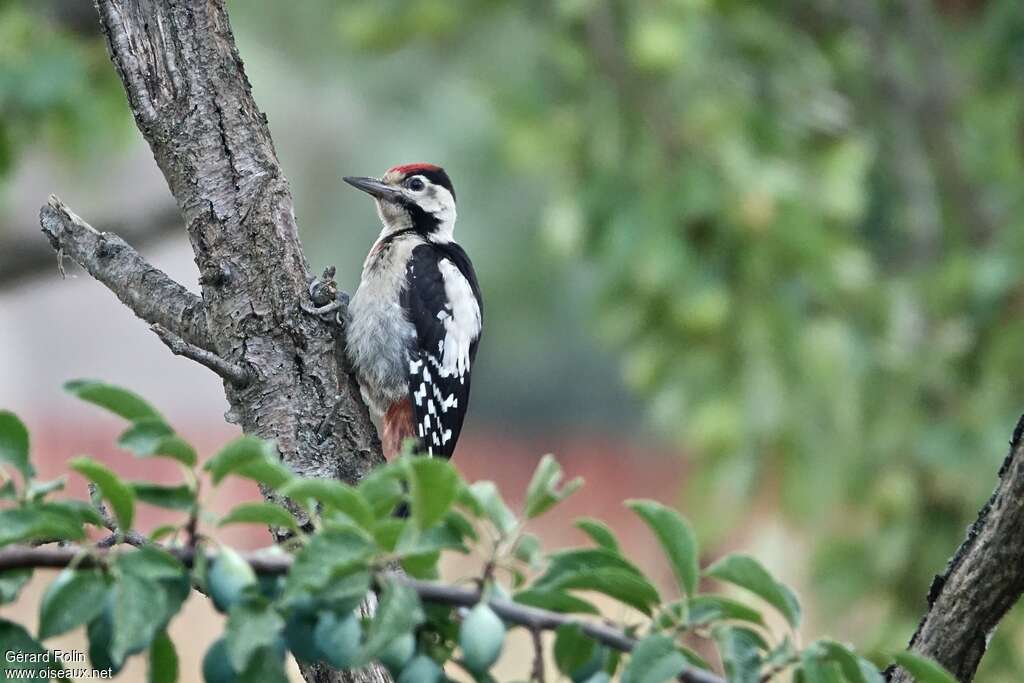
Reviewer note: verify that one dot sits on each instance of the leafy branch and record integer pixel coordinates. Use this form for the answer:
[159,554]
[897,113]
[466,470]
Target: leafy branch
[303,596]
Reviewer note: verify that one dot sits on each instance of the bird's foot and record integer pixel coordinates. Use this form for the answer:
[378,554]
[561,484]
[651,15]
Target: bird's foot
[327,301]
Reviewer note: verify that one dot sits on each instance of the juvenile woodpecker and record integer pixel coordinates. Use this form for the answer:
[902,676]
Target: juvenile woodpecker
[414,323]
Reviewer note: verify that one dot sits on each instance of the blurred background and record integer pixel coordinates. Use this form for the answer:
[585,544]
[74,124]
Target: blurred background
[759,260]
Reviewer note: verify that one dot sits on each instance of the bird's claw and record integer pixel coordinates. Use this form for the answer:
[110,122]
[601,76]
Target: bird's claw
[325,297]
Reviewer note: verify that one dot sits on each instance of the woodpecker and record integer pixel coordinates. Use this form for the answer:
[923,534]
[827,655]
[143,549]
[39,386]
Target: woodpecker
[414,323]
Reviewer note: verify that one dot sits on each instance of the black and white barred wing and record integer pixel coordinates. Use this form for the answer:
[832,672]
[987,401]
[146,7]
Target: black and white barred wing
[442,300]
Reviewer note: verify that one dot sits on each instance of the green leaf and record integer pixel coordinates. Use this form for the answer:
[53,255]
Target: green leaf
[655,659]
[163,660]
[252,624]
[598,532]
[555,601]
[163,531]
[746,572]
[433,484]
[153,437]
[144,436]
[14,445]
[704,609]
[251,458]
[38,490]
[15,639]
[543,491]
[382,489]
[172,497]
[331,494]
[573,649]
[625,587]
[7,490]
[176,448]
[11,583]
[79,511]
[332,550]
[676,538]
[160,569]
[72,599]
[266,666]
[139,609]
[816,670]
[37,523]
[599,570]
[412,541]
[119,494]
[855,669]
[270,514]
[672,615]
[398,613]
[119,401]
[740,649]
[527,550]
[486,497]
[923,669]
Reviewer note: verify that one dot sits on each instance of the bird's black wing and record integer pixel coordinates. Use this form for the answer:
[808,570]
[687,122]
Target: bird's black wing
[442,300]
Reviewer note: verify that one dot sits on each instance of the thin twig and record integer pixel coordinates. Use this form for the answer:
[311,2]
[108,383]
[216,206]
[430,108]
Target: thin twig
[101,508]
[538,655]
[232,372]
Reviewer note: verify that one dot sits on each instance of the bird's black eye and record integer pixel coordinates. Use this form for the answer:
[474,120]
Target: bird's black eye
[415,184]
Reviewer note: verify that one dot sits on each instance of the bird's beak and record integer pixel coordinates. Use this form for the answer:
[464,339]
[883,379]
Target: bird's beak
[376,188]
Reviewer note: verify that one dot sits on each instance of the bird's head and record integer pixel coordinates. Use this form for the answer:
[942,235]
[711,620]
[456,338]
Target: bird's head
[413,196]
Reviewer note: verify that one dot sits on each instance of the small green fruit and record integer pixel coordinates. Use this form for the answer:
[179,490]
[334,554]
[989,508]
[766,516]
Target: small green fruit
[217,664]
[337,639]
[481,637]
[299,636]
[228,577]
[420,669]
[398,652]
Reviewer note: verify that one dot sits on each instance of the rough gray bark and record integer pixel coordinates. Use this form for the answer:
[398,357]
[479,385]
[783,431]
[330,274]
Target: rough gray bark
[982,581]
[192,102]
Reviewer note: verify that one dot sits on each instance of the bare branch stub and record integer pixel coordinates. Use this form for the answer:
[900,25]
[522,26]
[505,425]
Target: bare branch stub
[146,290]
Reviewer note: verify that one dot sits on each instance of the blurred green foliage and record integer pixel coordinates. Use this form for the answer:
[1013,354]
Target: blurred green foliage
[803,218]
[56,83]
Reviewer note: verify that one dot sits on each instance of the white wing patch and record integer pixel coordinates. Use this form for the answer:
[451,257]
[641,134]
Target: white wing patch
[462,324]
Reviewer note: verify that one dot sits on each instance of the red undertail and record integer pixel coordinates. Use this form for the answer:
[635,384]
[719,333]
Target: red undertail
[399,424]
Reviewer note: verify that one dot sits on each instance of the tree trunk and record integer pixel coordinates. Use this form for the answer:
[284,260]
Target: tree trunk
[193,103]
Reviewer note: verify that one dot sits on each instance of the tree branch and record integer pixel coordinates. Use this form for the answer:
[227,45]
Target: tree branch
[981,582]
[147,291]
[263,563]
[22,258]
[232,372]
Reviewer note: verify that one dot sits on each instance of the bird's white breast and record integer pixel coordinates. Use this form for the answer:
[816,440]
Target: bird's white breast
[378,331]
